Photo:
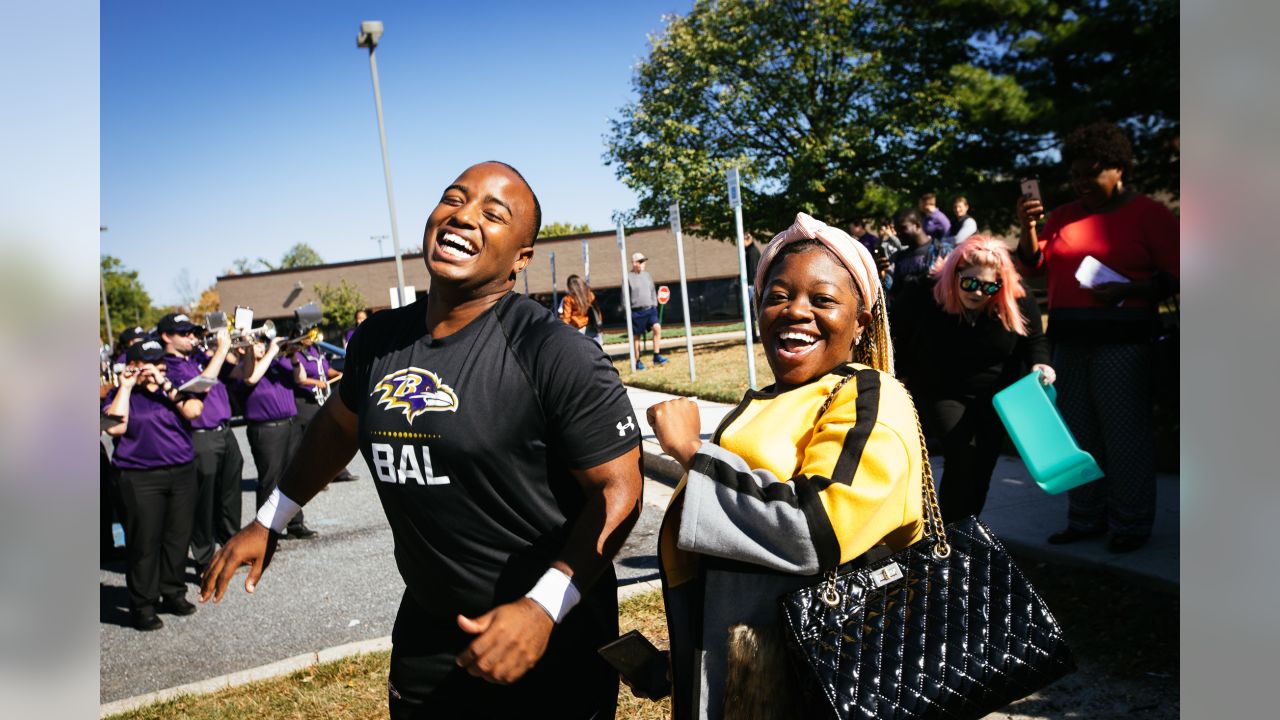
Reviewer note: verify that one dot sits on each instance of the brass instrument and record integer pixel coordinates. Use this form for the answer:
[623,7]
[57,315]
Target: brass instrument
[266,332]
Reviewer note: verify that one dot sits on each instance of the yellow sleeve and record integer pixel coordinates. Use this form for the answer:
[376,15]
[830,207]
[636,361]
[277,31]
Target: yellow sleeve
[864,462]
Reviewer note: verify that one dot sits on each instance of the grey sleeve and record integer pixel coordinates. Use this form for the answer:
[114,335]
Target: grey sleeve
[734,512]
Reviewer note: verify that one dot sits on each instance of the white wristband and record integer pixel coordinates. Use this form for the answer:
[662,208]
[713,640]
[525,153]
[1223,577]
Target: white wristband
[277,511]
[556,593]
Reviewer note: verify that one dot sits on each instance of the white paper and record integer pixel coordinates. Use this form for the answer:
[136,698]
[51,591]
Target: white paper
[1092,273]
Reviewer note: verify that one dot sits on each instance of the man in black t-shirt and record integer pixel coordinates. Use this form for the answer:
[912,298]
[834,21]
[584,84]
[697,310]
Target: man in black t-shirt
[506,457]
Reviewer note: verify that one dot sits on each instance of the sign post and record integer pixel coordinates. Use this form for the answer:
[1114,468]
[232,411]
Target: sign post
[684,288]
[555,308]
[626,295]
[735,201]
[586,262]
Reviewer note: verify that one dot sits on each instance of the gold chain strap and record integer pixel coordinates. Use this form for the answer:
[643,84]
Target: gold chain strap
[932,514]
[933,526]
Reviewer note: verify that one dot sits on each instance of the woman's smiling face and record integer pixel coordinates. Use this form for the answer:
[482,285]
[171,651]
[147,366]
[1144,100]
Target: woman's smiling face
[809,316]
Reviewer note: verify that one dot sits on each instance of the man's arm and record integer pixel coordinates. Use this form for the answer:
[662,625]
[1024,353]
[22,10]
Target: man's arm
[330,443]
[214,368]
[512,637]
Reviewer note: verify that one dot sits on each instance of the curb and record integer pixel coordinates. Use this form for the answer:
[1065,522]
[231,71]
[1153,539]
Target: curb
[244,677]
[294,664]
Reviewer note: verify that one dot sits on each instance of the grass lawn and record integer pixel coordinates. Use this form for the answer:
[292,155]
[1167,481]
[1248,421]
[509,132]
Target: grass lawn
[675,330]
[356,687]
[721,370]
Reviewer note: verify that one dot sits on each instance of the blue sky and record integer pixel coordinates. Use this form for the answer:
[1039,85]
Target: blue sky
[236,129]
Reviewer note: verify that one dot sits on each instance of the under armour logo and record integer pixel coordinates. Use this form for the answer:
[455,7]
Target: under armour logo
[624,427]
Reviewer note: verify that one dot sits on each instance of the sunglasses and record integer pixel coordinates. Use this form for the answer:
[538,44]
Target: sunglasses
[973,284]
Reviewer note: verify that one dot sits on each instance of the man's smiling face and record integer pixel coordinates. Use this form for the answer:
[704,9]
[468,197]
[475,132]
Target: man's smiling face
[481,232]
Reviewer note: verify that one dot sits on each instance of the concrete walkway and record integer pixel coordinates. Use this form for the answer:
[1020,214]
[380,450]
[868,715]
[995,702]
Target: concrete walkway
[1017,509]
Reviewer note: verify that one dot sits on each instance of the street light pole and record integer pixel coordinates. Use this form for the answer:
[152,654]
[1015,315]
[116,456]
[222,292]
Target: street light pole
[370,33]
[102,281]
[379,238]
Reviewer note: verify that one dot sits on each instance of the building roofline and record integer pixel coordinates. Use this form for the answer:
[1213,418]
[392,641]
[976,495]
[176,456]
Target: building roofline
[368,261]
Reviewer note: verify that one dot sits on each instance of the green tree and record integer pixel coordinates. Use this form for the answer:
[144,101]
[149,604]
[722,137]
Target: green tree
[340,303]
[558,229]
[127,300]
[300,255]
[842,108]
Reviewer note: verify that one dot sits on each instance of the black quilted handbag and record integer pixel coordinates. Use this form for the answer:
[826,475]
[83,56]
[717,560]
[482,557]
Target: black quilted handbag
[946,628]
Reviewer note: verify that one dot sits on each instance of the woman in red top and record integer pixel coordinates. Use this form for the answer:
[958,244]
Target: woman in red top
[1102,332]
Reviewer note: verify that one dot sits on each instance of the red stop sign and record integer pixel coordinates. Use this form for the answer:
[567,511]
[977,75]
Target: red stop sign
[664,294]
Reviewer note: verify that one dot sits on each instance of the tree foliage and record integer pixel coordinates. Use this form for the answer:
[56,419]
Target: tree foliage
[127,300]
[208,302]
[846,108]
[558,229]
[340,303]
[300,255]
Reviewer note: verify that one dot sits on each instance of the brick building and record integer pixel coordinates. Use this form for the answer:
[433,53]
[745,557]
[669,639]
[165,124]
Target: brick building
[711,267]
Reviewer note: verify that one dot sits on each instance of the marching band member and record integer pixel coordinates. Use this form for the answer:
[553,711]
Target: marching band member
[219,462]
[264,381]
[311,375]
[157,481]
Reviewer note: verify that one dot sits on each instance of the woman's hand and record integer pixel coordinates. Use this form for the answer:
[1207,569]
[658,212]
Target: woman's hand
[1029,211]
[128,377]
[1111,293]
[678,427]
[1047,374]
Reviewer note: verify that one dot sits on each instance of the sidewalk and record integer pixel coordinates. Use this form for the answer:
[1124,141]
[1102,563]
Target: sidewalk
[1017,509]
[619,350]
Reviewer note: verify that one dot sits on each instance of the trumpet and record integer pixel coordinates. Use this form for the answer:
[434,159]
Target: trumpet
[313,334]
[266,332]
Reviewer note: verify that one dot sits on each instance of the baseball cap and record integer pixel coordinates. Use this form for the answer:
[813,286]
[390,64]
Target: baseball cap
[146,351]
[131,334]
[638,257]
[176,323]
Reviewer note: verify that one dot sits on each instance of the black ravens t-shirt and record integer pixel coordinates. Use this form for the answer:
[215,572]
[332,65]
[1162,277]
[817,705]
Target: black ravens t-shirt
[470,440]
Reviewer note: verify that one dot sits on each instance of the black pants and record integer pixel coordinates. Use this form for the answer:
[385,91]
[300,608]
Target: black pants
[272,445]
[1104,395]
[218,468]
[159,505]
[307,411]
[571,681]
[970,435]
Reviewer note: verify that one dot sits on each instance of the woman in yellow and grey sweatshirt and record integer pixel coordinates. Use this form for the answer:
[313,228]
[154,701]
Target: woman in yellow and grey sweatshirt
[819,469]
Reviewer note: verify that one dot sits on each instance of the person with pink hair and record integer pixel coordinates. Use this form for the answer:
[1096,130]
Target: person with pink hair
[980,334]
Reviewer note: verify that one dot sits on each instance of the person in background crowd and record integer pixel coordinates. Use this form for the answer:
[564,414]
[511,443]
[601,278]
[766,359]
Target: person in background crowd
[936,224]
[311,377]
[1103,335]
[264,382]
[965,225]
[860,232]
[644,309]
[889,239]
[510,477]
[809,473]
[127,339]
[981,333]
[154,459]
[579,310]
[908,281]
[218,460]
[361,316]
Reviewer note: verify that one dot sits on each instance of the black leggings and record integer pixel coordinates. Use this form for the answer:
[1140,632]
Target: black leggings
[971,435]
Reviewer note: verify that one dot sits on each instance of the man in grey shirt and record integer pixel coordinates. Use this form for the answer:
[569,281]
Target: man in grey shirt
[644,309]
